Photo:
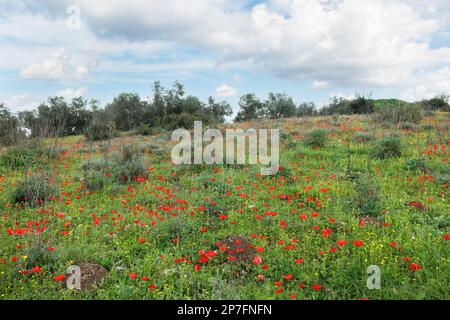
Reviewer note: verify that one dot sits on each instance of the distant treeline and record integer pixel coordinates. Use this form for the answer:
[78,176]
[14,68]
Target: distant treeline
[172,108]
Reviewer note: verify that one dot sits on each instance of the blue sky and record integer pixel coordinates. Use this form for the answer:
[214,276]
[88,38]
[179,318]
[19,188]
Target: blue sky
[310,49]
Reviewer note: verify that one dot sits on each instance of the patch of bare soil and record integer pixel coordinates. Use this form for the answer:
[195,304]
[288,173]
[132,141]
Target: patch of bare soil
[238,248]
[91,274]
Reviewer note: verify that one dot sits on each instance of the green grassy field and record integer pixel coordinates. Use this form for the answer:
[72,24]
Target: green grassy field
[226,232]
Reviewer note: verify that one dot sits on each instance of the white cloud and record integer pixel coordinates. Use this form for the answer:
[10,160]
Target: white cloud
[375,43]
[19,102]
[344,43]
[58,66]
[225,91]
[71,93]
[432,84]
[318,85]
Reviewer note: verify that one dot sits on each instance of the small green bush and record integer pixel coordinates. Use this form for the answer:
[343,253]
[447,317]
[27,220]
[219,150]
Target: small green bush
[441,175]
[144,130]
[99,130]
[363,137]
[94,180]
[317,139]
[36,189]
[94,174]
[416,165]
[427,127]
[389,147]
[38,255]
[368,196]
[407,125]
[95,165]
[129,164]
[398,112]
[439,103]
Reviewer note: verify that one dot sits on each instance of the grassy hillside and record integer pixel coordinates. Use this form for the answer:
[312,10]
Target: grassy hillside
[352,196]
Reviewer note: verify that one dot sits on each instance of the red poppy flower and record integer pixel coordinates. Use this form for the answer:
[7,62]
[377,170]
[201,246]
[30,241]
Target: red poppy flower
[36,269]
[299,261]
[358,243]
[257,260]
[133,275]
[279,290]
[288,277]
[59,278]
[259,249]
[326,232]
[414,267]
[316,287]
[341,243]
[152,287]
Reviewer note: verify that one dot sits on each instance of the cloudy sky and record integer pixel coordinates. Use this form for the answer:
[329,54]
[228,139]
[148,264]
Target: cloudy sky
[310,49]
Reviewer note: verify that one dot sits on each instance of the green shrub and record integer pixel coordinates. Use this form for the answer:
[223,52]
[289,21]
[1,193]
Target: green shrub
[397,112]
[39,255]
[436,103]
[389,147]
[94,174]
[95,165]
[99,129]
[94,180]
[441,175]
[317,139]
[184,120]
[416,165]
[36,189]
[427,127]
[129,164]
[363,137]
[407,125]
[442,178]
[368,195]
[144,130]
